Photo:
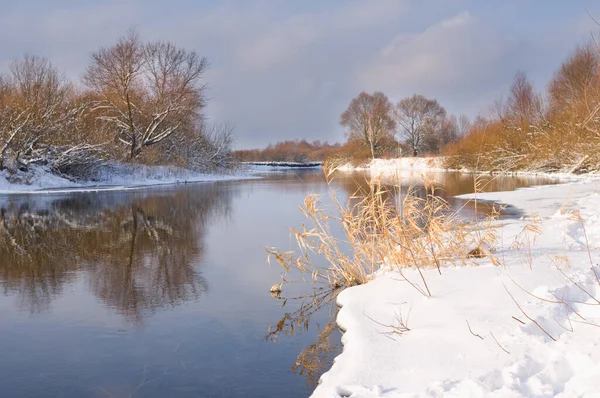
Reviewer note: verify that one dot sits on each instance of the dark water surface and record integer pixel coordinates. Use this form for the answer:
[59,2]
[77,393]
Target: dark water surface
[164,292]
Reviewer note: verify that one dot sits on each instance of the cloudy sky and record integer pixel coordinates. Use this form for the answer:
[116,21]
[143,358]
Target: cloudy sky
[286,69]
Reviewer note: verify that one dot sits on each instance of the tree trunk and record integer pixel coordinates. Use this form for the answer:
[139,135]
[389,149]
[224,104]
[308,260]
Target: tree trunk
[134,144]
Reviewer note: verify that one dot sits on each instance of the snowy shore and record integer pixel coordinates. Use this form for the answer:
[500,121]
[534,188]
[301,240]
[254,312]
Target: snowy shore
[389,167]
[401,166]
[472,339]
[114,177]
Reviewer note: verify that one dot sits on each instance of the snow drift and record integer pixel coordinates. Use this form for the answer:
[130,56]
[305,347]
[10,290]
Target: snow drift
[526,328]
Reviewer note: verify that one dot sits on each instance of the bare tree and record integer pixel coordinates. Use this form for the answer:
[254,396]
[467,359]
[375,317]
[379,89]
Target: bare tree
[148,91]
[464,125]
[576,82]
[523,106]
[368,119]
[449,132]
[419,119]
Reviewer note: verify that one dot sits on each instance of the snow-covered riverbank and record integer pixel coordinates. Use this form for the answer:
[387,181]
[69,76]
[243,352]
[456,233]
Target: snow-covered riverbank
[115,177]
[526,328]
[399,167]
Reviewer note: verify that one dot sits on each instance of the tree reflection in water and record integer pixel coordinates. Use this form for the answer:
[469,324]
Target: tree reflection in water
[138,252]
[313,360]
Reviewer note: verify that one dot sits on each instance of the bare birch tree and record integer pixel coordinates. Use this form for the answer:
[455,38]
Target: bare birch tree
[368,119]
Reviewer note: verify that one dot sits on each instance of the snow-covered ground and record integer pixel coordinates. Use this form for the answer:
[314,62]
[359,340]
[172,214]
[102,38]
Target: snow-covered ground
[113,177]
[389,167]
[402,166]
[471,338]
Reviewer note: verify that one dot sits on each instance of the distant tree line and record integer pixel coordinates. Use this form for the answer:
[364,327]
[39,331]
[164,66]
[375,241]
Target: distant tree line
[414,126]
[288,151]
[138,101]
[555,131]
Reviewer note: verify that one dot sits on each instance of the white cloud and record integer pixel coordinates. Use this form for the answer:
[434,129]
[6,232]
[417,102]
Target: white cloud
[284,40]
[454,60]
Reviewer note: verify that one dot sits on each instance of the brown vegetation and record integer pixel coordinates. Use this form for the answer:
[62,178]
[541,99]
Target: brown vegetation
[288,151]
[555,132]
[357,153]
[140,101]
[380,227]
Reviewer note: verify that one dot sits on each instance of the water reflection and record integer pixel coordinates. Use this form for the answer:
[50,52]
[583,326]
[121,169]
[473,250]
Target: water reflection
[448,185]
[313,360]
[137,252]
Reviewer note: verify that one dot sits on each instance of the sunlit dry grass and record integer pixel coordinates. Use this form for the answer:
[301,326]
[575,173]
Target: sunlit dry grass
[384,227]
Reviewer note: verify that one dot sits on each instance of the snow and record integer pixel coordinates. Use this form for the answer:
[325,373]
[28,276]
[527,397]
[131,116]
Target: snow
[417,165]
[381,166]
[115,176]
[390,167]
[512,357]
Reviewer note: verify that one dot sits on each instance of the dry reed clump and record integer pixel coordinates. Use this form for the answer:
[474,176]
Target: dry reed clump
[384,226]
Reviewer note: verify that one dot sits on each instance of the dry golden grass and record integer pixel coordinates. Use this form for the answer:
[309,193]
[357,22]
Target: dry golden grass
[384,226]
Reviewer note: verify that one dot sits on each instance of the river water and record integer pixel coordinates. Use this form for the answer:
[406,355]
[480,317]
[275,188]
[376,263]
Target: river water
[164,292]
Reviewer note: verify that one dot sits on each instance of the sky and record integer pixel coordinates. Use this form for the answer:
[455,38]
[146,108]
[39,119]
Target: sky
[282,69]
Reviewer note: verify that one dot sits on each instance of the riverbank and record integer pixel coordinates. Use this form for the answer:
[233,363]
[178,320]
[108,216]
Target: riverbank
[390,168]
[113,177]
[119,176]
[527,327]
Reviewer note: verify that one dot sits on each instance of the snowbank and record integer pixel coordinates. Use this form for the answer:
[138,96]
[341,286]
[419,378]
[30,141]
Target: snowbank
[471,339]
[390,167]
[417,165]
[115,176]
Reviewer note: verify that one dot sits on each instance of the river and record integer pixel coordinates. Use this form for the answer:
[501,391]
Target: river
[164,292]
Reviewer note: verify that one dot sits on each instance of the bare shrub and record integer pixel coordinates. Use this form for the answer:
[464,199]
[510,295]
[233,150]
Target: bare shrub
[40,121]
[206,148]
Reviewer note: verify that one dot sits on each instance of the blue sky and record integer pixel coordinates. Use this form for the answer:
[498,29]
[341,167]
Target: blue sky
[287,69]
